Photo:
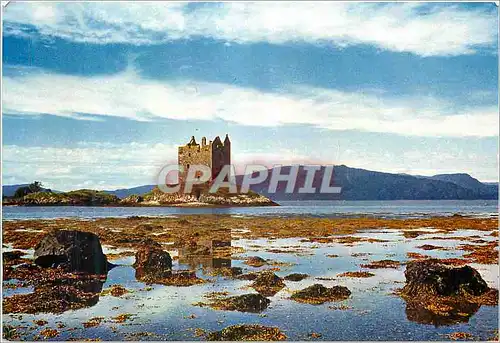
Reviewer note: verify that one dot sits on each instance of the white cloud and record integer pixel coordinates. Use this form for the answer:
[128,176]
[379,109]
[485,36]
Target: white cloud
[129,96]
[94,165]
[422,29]
[112,166]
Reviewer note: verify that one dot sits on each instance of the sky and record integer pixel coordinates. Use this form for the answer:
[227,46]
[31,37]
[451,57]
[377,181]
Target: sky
[100,94]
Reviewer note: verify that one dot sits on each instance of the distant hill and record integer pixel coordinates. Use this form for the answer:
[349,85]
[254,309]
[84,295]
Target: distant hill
[9,190]
[467,181]
[361,184]
[125,192]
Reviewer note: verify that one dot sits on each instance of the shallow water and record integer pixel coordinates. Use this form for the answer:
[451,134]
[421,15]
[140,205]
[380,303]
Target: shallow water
[336,208]
[374,313]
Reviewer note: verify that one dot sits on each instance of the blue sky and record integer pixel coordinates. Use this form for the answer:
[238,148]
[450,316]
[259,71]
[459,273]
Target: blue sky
[99,95]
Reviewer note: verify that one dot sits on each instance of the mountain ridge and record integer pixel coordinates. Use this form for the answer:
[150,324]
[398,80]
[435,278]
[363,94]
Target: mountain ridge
[361,184]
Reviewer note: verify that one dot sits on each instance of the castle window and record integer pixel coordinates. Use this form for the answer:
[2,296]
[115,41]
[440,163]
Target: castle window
[189,154]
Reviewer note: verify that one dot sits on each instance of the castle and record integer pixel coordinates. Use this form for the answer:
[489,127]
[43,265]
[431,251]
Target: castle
[215,155]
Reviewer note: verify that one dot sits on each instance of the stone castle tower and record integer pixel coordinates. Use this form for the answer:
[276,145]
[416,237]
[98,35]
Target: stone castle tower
[215,155]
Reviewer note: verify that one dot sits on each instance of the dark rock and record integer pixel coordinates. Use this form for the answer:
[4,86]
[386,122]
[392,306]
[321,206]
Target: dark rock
[319,294]
[296,277]
[248,276]
[152,262]
[255,261]
[73,251]
[236,271]
[244,303]
[267,283]
[249,302]
[9,256]
[429,277]
[439,294]
[244,332]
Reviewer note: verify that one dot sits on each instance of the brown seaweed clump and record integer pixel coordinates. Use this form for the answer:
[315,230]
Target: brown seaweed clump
[267,283]
[10,257]
[439,294]
[356,274]
[253,303]
[452,261]
[484,254]
[416,255]
[413,233]
[455,336]
[318,294]
[115,290]
[382,264]
[49,333]
[296,277]
[180,278]
[246,332]
[228,272]
[68,292]
[431,247]
[248,276]
[121,318]
[92,322]
[255,261]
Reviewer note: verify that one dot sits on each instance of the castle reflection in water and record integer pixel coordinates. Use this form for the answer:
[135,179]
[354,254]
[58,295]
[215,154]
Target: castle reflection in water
[207,253]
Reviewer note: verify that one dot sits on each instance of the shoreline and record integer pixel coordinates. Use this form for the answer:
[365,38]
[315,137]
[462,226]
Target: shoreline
[185,205]
[25,232]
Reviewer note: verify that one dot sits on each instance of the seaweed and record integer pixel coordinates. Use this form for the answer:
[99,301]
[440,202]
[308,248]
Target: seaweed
[359,274]
[254,303]
[382,264]
[318,294]
[247,332]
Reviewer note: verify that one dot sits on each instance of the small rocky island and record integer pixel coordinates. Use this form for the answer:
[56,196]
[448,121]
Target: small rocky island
[215,155]
[88,197]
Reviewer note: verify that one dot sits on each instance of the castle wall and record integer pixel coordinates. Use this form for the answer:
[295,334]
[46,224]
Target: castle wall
[194,154]
[215,155]
[221,155]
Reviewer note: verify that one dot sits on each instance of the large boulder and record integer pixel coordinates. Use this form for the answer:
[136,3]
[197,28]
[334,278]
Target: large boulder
[439,294]
[73,251]
[431,278]
[152,262]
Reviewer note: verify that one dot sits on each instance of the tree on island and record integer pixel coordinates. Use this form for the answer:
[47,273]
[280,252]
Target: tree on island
[34,187]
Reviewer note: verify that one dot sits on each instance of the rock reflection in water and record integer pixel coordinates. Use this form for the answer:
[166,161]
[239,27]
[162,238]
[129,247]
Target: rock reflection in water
[63,293]
[427,314]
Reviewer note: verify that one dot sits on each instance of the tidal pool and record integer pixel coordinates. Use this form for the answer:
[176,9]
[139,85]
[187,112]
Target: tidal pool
[372,312]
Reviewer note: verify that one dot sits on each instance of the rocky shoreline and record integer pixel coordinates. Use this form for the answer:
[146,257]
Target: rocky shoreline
[155,198]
